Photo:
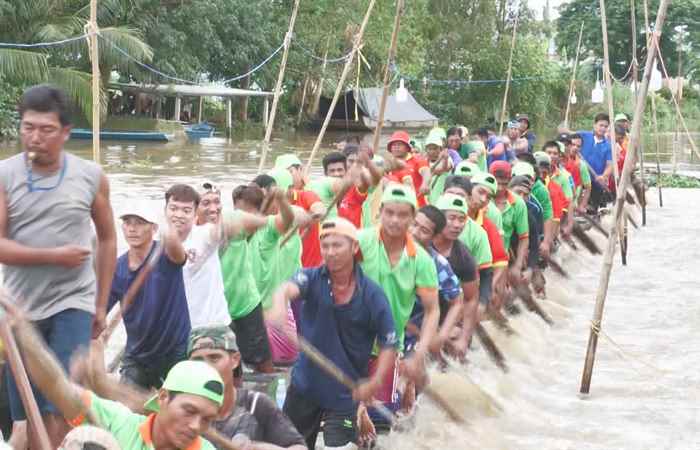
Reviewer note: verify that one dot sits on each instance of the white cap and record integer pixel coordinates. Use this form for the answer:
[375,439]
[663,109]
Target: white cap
[140,209]
[79,437]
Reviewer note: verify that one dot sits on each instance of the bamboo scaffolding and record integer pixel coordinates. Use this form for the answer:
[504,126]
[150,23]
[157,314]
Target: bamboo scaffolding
[653,111]
[508,77]
[619,206]
[341,82]
[94,58]
[572,85]
[387,75]
[278,87]
[635,76]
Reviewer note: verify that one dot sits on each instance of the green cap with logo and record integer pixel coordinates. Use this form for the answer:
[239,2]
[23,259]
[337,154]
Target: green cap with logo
[216,338]
[191,377]
[523,168]
[287,160]
[452,202]
[619,117]
[485,179]
[433,139]
[399,193]
[467,169]
[474,146]
[283,179]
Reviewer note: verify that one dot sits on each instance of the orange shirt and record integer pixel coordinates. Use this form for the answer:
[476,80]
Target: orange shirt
[351,206]
[558,199]
[311,246]
[414,163]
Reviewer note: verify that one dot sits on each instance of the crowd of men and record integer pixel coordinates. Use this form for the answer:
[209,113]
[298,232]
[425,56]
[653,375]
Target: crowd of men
[388,260]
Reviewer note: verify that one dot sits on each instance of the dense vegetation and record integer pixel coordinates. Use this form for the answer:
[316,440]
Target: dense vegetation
[444,46]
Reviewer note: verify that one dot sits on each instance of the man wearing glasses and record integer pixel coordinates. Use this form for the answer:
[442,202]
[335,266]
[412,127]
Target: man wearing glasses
[48,199]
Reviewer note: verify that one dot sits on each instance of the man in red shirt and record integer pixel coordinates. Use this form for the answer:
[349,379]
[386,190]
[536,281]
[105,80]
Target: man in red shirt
[417,170]
[556,195]
[310,202]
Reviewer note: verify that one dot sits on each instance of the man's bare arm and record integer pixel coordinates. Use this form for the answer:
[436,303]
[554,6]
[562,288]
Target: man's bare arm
[106,256]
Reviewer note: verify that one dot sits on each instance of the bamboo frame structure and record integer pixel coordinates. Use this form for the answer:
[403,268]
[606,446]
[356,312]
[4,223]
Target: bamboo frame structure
[620,205]
[508,76]
[573,78]
[94,58]
[341,82]
[653,112]
[278,87]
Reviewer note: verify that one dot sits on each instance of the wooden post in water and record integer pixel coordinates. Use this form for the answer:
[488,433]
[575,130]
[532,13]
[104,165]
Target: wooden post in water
[94,58]
[341,82]
[619,206]
[653,111]
[14,359]
[573,78]
[278,86]
[508,76]
[387,75]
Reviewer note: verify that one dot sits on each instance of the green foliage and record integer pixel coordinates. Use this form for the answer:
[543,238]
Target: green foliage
[9,120]
[674,181]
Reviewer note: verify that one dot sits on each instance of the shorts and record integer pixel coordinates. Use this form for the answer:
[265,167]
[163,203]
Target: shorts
[284,350]
[64,333]
[485,285]
[151,374]
[388,394]
[251,337]
[339,427]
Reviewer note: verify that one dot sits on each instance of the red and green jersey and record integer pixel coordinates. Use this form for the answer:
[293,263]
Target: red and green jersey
[311,247]
[556,195]
[499,255]
[514,214]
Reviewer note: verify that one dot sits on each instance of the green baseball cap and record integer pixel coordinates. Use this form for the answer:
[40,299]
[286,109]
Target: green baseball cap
[523,168]
[218,337]
[287,160]
[474,146]
[191,377]
[467,169]
[283,179]
[399,193]
[452,202]
[439,132]
[542,159]
[485,179]
[433,139]
[620,117]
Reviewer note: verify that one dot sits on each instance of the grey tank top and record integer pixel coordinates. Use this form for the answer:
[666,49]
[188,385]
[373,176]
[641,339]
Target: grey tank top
[51,218]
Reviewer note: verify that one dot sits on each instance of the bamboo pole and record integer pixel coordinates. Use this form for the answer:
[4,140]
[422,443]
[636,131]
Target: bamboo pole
[635,76]
[619,206]
[321,80]
[608,87]
[36,424]
[341,83]
[278,86]
[653,112]
[303,97]
[573,78]
[387,75]
[94,57]
[508,77]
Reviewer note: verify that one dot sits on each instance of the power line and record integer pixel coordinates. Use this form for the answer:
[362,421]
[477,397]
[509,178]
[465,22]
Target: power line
[44,44]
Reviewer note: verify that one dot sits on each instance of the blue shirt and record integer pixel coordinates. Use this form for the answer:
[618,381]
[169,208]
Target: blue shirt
[449,288]
[345,334]
[158,321]
[596,154]
[491,143]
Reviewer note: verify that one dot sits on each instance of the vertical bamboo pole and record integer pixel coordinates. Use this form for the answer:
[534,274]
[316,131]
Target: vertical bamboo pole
[608,87]
[653,112]
[508,76]
[94,57]
[679,95]
[321,80]
[278,87]
[619,206]
[303,96]
[635,76]
[36,424]
[387,76]
[573,78]
[341,83]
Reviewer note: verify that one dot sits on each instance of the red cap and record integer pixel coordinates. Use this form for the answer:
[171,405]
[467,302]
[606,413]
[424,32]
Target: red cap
[500,169]
[399,136]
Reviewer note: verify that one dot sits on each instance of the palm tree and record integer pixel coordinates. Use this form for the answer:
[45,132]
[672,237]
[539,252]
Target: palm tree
[68,66]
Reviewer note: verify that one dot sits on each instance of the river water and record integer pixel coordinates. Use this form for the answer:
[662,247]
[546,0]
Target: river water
[643,397]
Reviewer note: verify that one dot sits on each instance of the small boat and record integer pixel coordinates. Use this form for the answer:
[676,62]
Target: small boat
[201,130]
[156,136]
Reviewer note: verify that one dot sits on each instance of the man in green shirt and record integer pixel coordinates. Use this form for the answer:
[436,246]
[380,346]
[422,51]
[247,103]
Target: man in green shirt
[435,152]
[514,212]
[404,270]
[540,193]
[181,410]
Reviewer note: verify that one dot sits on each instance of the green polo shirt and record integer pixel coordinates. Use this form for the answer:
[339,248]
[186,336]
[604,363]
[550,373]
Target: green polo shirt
[541,193]
[477,241]
[437,187]
[495,216]
[271,263]
[563,179]
[132,431]
[514,219]
[372,194]
[241,292]
[415,269]
[323,187]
